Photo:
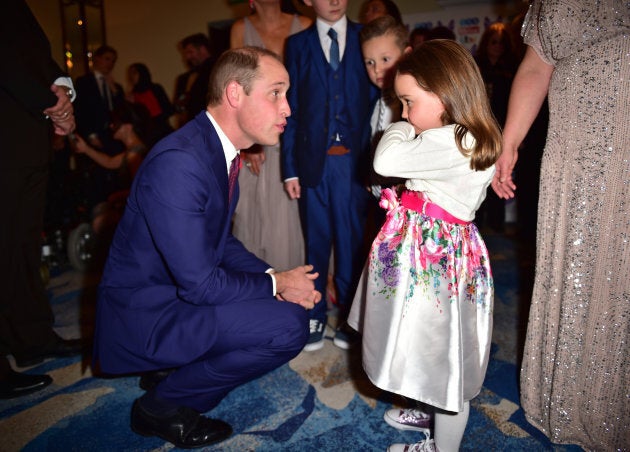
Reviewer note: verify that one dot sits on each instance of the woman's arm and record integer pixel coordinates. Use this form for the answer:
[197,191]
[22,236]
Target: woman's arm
[528,93]
[101,158]
[236,34]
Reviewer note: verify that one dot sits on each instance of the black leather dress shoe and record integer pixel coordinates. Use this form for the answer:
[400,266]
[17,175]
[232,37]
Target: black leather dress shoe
[186,428]
[56,349]
[150,380]
[16,384]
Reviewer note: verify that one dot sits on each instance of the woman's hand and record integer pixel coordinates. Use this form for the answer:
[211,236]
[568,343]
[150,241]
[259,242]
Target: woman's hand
[79,145]
[253,161]
[502,183]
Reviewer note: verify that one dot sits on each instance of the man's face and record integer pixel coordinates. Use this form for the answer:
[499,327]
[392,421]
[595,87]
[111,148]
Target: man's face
[262,114]
[194,56]
[330,11]
[104,63]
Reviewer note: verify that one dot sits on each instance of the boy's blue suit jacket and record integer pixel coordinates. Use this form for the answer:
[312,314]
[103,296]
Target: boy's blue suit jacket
[307,138]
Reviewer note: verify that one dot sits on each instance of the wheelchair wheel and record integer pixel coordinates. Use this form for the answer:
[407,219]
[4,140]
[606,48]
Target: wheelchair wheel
[81,247]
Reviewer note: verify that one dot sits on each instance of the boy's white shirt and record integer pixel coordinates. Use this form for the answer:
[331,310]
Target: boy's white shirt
[324,40]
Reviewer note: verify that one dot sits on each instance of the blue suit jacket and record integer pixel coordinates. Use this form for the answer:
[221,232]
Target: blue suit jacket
[173,258]
[306,137]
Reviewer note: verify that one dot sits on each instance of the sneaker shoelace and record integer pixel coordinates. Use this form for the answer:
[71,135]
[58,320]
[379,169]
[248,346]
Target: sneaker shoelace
[314,326]
[410,415]
[427,445]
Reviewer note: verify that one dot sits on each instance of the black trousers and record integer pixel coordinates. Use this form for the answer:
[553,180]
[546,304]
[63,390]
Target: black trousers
[26,318]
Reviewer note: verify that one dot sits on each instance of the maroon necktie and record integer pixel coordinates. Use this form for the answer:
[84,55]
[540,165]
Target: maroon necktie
[233,176]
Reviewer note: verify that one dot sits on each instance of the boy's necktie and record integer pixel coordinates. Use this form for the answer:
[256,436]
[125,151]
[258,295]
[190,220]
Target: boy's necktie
[334,49]
[233,175]
[105,93]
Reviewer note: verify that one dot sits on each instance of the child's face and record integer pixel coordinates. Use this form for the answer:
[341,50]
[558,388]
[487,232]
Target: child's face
[422,109]
[380,55]
[330,11]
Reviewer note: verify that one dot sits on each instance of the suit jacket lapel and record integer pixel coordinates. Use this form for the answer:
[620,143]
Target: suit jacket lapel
[317,53]
[213,152]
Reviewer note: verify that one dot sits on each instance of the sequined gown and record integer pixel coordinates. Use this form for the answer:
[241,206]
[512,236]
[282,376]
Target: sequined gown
[266,220]
[574,380]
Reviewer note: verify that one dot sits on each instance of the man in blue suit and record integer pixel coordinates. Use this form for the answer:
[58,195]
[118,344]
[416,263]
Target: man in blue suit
[179,292]
[323,148]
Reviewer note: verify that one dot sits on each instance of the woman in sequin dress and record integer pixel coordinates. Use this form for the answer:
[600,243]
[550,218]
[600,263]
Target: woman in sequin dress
[266,220]
[574,380]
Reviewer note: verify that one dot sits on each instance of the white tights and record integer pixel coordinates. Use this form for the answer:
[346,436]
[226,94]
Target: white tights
[449,429]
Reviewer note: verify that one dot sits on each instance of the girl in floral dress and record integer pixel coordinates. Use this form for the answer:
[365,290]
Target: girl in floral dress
[424,303]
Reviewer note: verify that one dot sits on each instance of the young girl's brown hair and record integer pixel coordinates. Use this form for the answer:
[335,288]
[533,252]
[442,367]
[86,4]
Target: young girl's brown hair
[448,70]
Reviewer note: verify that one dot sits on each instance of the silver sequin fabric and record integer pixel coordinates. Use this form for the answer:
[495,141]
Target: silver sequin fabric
[574,380]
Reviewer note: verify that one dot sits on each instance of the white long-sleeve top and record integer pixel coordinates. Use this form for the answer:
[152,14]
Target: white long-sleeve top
[432,164]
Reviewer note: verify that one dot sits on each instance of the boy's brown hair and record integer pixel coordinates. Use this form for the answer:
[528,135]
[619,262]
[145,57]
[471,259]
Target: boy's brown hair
[385,25]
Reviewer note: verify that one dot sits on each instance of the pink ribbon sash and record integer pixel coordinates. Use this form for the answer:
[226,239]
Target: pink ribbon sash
[413,200]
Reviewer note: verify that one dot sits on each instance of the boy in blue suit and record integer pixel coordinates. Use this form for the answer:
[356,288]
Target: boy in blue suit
[179,294]
[326,139]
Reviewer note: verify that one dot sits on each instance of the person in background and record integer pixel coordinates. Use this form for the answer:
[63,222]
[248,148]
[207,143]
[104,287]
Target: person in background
[495,58]
[266,221]
[575,371]
[192,87]
[35,102]
[97,95]
[131,125]
[418,36]
[180,297]
[152,95]
[371,9]
[441,32]
[425,301]
[326,140]
[383,42]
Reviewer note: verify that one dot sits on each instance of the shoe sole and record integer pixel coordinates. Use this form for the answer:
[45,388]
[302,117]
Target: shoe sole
[149,433]
[343,344]
[399,426]
[314,346]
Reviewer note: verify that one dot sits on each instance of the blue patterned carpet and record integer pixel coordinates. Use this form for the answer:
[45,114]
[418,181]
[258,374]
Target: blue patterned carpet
[320,401]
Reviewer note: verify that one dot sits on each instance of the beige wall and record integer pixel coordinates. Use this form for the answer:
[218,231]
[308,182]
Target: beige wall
[148,30]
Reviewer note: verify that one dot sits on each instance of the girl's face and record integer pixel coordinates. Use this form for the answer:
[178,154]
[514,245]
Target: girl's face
[422,109]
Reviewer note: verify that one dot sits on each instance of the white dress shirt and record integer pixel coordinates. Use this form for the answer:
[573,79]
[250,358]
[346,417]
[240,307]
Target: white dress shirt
[340,27]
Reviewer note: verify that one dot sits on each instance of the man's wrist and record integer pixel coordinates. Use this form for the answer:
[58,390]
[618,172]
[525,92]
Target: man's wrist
[69,91]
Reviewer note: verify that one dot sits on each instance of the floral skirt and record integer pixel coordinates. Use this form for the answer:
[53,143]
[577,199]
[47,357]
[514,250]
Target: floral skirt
[424,306]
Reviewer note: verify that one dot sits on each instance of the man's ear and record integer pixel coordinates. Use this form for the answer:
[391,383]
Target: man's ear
[407,50]
[233,92]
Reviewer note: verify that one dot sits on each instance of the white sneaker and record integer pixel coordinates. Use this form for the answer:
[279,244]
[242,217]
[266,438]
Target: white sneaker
[409,419]
[428,445]
[316,336]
